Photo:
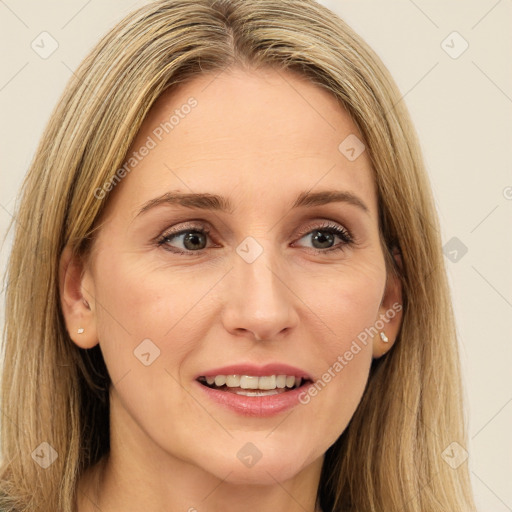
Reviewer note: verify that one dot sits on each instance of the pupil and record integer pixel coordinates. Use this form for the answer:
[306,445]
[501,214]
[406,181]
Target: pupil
[324,238]
[192,240]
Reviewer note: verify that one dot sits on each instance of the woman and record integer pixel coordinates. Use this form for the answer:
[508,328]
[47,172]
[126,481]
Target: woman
[240,295]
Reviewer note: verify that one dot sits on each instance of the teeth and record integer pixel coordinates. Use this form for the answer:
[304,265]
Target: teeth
[233,381]
[266,382]
[248,382]
[281,381]
[257,393]
[220,380]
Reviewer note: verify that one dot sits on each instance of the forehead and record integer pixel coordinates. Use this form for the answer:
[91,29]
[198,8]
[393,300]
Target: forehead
[265,134]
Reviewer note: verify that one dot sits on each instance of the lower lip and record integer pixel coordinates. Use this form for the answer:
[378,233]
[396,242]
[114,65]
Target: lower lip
[260,406]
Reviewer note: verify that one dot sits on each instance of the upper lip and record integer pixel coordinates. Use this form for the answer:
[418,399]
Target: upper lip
[257,371]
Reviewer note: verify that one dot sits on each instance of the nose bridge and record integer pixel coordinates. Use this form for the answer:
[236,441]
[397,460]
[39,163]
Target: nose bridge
[257,297]
[260,275]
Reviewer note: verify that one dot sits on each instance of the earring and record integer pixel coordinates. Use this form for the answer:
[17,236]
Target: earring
[383,337]
[81,330]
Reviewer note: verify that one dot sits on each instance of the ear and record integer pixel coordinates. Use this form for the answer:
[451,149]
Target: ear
[390,311]
[77,300]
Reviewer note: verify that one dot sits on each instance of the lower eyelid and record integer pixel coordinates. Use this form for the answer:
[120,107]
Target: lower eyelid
[336,230]
[340,246]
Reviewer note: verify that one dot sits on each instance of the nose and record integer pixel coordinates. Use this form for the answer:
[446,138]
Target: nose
[258,302]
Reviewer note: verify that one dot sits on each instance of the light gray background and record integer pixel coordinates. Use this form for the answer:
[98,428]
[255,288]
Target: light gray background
[462,111]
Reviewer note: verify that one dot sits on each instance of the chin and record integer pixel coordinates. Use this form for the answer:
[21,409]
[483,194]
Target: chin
[261,474]
[248,465]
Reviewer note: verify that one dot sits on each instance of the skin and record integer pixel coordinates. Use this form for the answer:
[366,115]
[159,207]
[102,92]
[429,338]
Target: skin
[259,138]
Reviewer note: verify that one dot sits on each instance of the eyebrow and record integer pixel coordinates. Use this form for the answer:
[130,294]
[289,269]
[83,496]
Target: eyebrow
[205,201]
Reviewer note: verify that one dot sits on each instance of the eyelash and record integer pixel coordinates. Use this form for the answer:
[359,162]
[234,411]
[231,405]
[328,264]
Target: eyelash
[328,227]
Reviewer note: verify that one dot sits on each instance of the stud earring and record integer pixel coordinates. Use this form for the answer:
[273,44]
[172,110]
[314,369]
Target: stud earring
[383,337]
[81,330]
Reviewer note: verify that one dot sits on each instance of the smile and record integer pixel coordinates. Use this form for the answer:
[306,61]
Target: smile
[254,390]
[252,385]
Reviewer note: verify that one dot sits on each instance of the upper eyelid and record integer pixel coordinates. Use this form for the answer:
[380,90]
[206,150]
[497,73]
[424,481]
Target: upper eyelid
[324,224]
[191,225]
[207,228]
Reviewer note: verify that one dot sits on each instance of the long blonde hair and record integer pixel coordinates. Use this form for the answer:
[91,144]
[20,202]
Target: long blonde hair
[390,456]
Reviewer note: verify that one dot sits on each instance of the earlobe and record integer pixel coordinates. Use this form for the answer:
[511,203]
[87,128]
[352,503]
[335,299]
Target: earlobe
[78,313]
[390,313]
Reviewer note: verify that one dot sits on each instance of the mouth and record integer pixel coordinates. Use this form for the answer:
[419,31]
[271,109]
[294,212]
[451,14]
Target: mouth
[252,385]
[254,390]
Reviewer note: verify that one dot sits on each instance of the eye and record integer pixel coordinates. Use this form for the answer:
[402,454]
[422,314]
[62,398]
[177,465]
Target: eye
[187,240]
[194,238]
[323,237]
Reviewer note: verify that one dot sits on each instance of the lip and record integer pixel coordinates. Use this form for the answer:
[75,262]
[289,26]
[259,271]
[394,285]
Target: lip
[256,406]
[257,371]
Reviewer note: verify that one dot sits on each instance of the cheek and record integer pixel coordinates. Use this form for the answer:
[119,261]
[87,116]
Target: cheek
[345,300]
[144,316]
[348,306]
[137,298]
[140,311]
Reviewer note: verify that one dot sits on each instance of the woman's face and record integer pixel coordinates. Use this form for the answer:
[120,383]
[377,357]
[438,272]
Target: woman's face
[278,271]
